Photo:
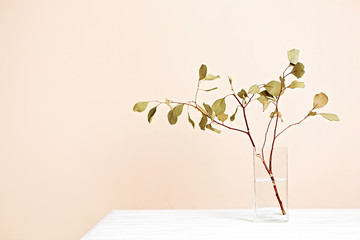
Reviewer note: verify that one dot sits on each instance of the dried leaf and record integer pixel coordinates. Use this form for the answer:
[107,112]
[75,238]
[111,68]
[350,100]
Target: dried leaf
[167,102]
[296,84]
[202,71]
[171,117]
[298,70]
[208,109]
[203,122]
[178,110]
[213,129]
[311,113]
[254,89]
[330,116]
[273,88]
[222,117]
[293,56]
[140,106]
[211,77]
[264,101]
[191,121]
[232,118]
[320,100]
[211,89]
[219,106]
[151,114]
[242,94]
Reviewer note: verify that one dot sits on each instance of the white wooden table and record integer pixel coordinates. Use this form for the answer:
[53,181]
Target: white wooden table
[326,224]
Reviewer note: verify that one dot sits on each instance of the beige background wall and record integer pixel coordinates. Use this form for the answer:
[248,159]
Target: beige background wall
[71,149]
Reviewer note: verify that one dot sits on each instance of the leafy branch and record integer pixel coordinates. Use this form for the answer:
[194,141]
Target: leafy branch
[267,94]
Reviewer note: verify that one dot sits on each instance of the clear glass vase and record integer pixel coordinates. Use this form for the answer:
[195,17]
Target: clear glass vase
[271,184]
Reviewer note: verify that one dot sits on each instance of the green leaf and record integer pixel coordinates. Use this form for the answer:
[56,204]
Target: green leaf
[232,118]
[296,84]
[298,70]
[276,113]
[208,90]
[203,122]
[191,121]
[320,100]
[242,94]
[213,129]
[330,116]
[140,106]
[293,56]
[202,110]
[172,117]
[178,110]
[175,113]
[311,113]
[208,109]
[273,88]
[211,77]
[167,102]
[222,117]
[151,114]
[202,71]
[266,94]
[264,101]
[272,114]
[219,106]
[254,89]
[230,81]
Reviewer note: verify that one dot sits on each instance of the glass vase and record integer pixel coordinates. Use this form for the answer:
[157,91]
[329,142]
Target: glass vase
[271,184]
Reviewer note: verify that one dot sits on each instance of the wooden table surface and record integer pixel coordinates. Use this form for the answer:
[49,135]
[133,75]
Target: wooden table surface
[226,224]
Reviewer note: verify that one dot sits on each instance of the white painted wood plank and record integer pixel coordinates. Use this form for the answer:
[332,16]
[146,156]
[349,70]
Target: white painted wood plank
[225,224]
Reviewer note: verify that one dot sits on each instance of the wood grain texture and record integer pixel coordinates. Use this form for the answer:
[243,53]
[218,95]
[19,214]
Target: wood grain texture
[225,224]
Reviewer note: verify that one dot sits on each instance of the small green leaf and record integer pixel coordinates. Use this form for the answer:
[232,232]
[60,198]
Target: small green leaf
[230,81]
[293,56]
[296,84]
[203,122]
[211,89]
[276,113]
[272,114]
[280,116]
[167,102]
[202,71]
[140,106]
[222,117]
[242,94]
[175,113]
[330,116]
[151,114]
[211,77]
[254,89]
[202,110]
[311,113]
[178,110]
[298,70]
[320,100]
[266,94]
[213,129]
[219,106]
[274,88]
[171,117]
[208,109]
[191,121]
[232,118]
[264,101]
